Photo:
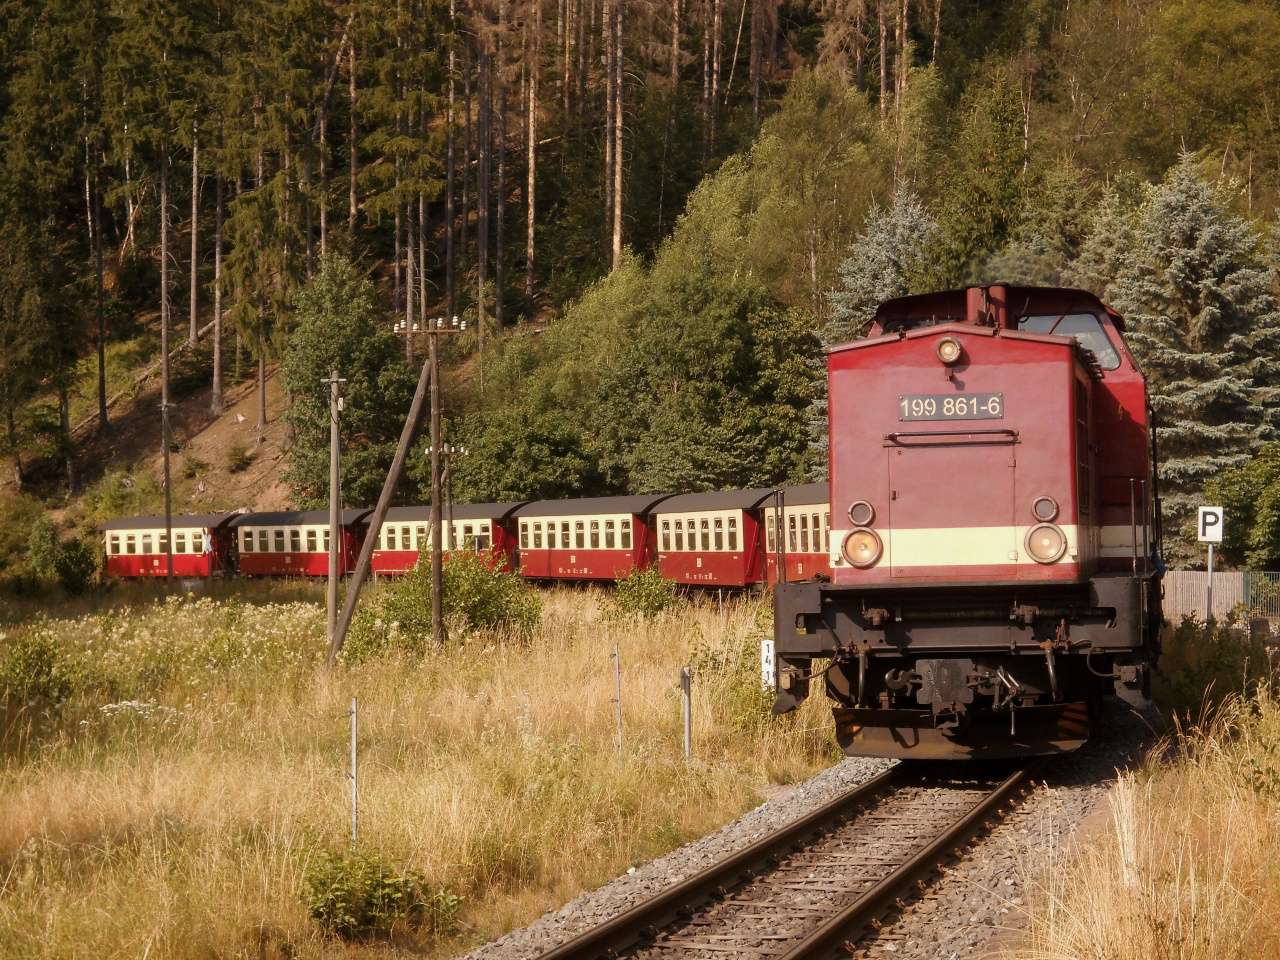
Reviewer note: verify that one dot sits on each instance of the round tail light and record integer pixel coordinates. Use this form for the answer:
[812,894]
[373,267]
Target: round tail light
[949,350]
[1046,543]
[862,547]
[1045,509]
[861,513]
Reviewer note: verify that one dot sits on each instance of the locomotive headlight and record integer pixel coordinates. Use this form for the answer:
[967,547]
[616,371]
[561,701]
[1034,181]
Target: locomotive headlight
[949,350]
[862,513]
[1045,509]
[861,547]
[1046,543]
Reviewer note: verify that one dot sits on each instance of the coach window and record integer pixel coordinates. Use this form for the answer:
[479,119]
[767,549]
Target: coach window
[564,534]
[311,541]
[179,543]
[768,529]
[279,544]
[246,545]
[537,536]
[791,533]
[666,536]
[705,526]
[163,541]
[679,534]
[733,533]
[130,544]
[804,533]
[146,543]
[391,538]
[524,535]
[295,541]
[826,533]
[551,535]
[719,524]
[626,534]
[595,534]
[609,538]
[114,549]
[579,535]
[421,533]
[817,543]
[405,542]
[482,542]
[324,539]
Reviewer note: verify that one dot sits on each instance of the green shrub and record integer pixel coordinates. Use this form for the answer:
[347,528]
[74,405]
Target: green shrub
[357,894]
[476,596]
[33,669]
[644,593]
[193,466]
[734,666]
[17,516]
[74,565]
[1199,669]
[238,457]
[42,546]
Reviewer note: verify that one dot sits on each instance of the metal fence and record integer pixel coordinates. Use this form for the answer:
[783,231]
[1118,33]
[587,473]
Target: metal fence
[1255,594]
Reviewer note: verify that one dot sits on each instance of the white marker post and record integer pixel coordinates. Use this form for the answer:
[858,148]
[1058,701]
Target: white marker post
[768,665]
[1209,528]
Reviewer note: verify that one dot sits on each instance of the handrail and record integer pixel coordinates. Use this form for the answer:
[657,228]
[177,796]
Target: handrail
[1011,436]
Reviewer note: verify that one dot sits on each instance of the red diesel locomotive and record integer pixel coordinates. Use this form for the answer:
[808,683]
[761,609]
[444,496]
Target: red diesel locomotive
[991,504]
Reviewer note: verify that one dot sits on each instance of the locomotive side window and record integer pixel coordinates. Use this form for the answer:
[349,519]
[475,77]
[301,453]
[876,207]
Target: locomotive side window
[130,544]
[1083,479]
[1085,327]
[579,536]
[295,541]
[279,541]
[115,544]
[666,536]
[537,536]
[626,534]
[609,535]
[179,543]
[524,535]
[679,534]
[791,533]
[595,534]
[311,541]
[733,533]
[719,525]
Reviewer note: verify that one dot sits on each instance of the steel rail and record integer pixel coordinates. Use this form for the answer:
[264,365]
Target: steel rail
[852,921]
[642,922]
[680,900]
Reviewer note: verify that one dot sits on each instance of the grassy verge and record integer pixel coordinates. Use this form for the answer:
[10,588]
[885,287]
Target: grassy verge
[173,776]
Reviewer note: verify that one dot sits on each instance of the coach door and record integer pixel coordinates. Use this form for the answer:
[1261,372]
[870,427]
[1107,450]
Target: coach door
[951,504]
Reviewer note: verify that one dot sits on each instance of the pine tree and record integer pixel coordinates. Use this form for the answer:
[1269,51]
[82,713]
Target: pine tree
[1198,295]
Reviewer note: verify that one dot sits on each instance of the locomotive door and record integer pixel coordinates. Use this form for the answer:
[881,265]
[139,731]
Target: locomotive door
[951,505]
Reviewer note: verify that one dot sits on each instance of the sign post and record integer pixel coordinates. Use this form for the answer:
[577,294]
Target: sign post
[1209,527]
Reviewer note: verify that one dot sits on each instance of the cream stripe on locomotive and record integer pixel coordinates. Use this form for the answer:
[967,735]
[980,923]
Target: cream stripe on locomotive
[957,546]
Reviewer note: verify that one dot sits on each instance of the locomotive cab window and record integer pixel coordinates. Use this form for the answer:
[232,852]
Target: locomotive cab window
[595,534]
[1085,327]
[733,533]
[626,534]
[666,536]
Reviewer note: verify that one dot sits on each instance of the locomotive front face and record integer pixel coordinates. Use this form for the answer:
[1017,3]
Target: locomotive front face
[976,596]
[953,457]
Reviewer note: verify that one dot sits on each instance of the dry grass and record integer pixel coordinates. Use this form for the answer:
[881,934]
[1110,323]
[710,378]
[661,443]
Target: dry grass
[179,822]
[1190,865]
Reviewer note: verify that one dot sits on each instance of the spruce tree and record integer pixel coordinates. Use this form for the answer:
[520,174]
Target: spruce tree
[1197,291]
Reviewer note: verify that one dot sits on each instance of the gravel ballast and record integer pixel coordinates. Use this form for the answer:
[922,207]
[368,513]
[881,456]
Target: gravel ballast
[980,895]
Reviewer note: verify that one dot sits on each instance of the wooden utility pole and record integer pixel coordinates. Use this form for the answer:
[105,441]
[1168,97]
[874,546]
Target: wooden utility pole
[335,496]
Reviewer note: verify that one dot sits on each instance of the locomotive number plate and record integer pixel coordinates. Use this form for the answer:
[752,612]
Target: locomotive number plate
[951,406]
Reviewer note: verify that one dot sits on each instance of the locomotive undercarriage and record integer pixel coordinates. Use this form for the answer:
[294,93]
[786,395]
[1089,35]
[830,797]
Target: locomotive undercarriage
[966,670]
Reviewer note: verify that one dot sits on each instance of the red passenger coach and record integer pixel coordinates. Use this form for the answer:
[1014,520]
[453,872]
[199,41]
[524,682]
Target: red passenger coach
[296,543]
[992,536]
[135,546]
[805,545]
[711,539]
[481,527]
[597,539]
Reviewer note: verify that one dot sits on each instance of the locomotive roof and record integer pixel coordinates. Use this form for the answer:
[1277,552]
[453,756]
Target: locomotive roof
[290,518]
[715,500]
[951,306]
[639,505]
[155,523]
[804,494]
[461,511]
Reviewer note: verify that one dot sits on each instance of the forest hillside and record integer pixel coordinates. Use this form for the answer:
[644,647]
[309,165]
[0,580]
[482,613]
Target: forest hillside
[651,216]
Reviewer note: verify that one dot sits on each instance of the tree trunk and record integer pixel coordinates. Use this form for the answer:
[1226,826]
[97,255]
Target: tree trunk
[64,419]
[707,18]
[408,283]
[610,101]
[900,57]
[324,189]
[397,260]
[450,214]
[104,427]
[484,143]
[355,158]
[531,196]
[717,52]
[883,18]
[937,28]
[164,277]
[19,475]
[464,249]
[859,45]
[193,334]
[262,382]
[619,49]
[500,198]
[757,36]
[216,402]
[675,43]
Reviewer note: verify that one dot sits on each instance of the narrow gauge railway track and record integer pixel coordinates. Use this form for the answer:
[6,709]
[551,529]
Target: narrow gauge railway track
[804,890]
